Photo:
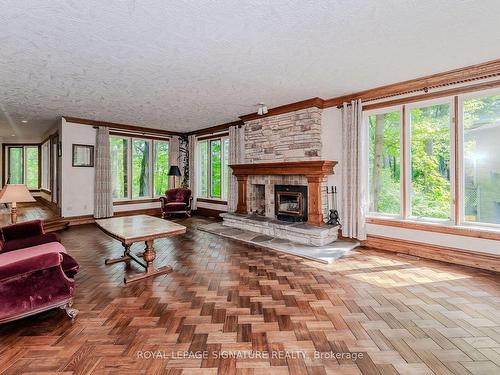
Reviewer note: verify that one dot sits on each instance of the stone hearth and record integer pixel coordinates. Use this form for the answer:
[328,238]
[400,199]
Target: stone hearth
[296,232]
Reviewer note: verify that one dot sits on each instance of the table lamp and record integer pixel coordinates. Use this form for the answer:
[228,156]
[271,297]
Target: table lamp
[174,171]
[14,193]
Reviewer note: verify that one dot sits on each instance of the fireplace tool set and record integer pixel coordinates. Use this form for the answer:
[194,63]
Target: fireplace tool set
[333,217]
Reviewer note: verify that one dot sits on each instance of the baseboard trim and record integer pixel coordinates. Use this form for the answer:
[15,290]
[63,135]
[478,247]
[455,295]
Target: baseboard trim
[469,258]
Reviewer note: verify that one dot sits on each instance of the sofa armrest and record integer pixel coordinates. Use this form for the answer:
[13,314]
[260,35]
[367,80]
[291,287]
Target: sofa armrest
[36,263]
[23,243]
[22,230]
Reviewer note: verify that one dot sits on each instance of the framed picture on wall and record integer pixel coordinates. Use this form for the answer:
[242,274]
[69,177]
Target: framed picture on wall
[83,155]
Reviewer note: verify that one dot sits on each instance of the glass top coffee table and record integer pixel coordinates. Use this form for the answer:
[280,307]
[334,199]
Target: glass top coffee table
[131,229]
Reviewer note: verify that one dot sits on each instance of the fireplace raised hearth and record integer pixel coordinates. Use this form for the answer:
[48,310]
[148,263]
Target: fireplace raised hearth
[290,203]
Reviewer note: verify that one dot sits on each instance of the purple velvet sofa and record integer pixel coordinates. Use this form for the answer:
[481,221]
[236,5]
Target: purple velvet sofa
[176,201]
[36,273]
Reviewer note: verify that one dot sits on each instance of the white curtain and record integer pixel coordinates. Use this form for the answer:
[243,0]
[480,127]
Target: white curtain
[103,191]
[236,156]
[354,154]
[192,171]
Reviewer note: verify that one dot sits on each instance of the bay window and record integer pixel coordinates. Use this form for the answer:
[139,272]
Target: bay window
[139,167]
[436,161]
[212,167]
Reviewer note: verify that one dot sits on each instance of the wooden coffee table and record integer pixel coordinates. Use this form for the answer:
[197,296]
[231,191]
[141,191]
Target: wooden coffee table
[132,229]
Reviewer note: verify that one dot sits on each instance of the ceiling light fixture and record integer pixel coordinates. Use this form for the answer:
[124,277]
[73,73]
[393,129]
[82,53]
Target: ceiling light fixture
[24,121]
[262,110]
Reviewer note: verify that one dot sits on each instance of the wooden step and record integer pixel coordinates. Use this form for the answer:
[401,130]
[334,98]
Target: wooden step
[55,225]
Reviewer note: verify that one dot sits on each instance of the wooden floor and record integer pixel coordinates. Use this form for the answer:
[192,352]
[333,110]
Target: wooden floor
[27,212]
[237,303]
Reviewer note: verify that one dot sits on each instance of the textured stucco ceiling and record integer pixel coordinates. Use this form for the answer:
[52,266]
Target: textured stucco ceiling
[185,65]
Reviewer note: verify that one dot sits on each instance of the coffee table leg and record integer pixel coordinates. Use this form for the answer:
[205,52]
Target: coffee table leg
[149,256]
[124,258]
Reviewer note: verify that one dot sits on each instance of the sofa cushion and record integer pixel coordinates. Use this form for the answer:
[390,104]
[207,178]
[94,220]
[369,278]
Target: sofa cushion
[183,195]
[175,206]
[29,252]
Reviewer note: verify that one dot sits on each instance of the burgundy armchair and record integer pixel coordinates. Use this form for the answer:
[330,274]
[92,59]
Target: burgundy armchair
[36,273]
[176,201]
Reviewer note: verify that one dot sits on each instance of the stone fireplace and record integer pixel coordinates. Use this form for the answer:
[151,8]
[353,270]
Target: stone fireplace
[284,200]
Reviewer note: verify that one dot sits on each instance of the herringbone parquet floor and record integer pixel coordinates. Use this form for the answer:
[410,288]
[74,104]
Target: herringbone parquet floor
[243,310]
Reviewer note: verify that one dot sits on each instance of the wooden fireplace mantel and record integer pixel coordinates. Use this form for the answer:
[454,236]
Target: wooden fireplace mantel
[314,171]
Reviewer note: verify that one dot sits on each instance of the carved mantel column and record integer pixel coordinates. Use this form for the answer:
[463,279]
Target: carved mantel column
[314,203]
[241,208]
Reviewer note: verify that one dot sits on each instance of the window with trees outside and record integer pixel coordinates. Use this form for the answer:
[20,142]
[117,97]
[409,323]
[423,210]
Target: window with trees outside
[424,164]
[22,165]
[139,167]
[212,168]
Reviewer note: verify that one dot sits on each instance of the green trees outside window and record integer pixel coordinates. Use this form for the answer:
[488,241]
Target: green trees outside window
[139,167]
[384,162]
[430,161]
[432,165]
[161,167]
[481,159]
[119,167]
[23,166]
[212,168]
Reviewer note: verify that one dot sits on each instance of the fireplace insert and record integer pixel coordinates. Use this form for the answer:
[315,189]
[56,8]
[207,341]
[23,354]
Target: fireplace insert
[290,202]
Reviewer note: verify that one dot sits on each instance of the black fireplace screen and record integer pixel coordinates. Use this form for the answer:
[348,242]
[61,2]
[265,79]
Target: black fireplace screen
[291,202]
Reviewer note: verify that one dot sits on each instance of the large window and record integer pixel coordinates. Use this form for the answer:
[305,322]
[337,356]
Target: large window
[433,165]
[213,174]
[22,165]
[139,167]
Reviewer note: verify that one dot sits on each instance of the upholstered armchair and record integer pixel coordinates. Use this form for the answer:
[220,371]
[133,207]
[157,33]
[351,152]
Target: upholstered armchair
[36,273]
[176,201]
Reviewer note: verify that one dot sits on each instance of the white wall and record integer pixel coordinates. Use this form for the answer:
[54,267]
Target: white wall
[331,132]
[77,183]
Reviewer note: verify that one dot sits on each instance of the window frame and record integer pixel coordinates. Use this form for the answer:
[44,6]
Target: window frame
[408,181]
[152,158]
[6,162]
[223,193]
[366,116]
[460,157]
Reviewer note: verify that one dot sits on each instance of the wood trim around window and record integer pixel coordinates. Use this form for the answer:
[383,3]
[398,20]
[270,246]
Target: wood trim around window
[136,201]
[212,201]
[487,234]
[210,137]
[490,262]
[114,125]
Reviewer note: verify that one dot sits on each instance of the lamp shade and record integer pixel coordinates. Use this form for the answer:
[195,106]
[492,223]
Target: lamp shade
[15,193]
[174,171]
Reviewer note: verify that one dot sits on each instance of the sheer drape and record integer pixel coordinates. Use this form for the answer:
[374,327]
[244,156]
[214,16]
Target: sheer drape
[103,191]
[236,156]
[353,203]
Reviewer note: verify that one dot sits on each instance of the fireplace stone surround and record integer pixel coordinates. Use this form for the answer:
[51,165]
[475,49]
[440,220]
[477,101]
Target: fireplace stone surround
[256,200]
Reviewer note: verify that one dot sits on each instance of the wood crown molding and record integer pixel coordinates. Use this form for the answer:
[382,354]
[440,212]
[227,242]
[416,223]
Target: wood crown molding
[114,125]
[216,129]
[490,262]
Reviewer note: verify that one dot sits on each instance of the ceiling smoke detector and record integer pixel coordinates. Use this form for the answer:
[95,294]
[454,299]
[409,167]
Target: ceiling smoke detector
[262,109]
